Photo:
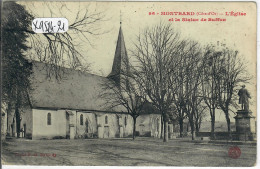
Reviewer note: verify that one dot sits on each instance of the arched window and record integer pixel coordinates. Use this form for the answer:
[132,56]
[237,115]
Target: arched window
[106,120]
[81,119]
[125,121]
[49,119]
[86,123]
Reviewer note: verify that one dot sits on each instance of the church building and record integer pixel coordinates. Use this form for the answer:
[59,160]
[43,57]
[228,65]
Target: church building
[71,107]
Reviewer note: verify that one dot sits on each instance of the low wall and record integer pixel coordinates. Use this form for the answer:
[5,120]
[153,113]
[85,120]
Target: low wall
[225,135]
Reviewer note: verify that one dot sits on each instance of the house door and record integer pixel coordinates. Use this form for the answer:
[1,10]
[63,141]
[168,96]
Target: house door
[106,132]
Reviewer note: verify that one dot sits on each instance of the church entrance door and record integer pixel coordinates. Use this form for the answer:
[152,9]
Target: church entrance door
[106,132]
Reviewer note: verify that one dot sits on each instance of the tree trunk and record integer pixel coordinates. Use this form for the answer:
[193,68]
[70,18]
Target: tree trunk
[197,128]
[134,127]
[228,123]
[162,127]
[192,129]
[8,112]
[18,121]
[197,124]
[181,126]
[212,127]
[166,137]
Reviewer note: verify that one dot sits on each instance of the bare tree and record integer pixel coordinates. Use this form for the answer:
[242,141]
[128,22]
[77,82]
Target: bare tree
[181,115]
[65,49]
[125,95]
[199,114]
[222,74]
[192,72]
[232,73]
[156,51]
[181,78]
[209,85]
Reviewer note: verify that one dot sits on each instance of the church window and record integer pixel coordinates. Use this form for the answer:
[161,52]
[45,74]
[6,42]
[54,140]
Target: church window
[125,121]
[49,119]
[81,119]
[106,120]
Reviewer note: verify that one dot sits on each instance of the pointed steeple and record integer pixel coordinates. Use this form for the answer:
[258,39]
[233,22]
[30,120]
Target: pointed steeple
[120,64]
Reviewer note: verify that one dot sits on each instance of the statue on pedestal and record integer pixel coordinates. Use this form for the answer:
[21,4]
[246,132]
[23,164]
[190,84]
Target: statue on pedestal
[245,121]
[243,98]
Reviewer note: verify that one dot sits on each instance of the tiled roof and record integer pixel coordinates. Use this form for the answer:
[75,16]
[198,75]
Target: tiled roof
[76,90]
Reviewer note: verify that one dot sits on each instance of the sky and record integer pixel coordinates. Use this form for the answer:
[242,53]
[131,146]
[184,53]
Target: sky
[237,32]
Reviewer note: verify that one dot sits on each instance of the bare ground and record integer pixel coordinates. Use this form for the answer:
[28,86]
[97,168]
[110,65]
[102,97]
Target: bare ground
[124,152]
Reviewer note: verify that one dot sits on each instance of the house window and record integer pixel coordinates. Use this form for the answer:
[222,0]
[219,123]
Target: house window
[125,121]
[81,119]
[49,119]
[106,120]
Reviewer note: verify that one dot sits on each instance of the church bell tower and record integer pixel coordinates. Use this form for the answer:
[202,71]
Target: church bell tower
[121,62]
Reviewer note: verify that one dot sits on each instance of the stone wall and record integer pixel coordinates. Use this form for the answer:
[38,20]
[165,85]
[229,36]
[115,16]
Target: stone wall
[41,129]
[73,124]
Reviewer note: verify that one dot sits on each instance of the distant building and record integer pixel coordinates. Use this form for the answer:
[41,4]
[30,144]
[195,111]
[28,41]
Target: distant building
[71,108]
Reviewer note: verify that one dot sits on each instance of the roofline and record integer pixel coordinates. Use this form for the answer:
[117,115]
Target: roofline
[89,111]
[78,110]
[86,110]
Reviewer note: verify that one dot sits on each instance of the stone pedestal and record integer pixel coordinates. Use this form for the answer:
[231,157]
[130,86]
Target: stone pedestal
[245,126]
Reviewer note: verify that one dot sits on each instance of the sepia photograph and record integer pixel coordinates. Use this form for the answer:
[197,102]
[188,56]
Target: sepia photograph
[128,83]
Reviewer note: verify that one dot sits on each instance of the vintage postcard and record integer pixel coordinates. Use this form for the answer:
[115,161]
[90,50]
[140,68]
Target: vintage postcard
[128,83]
